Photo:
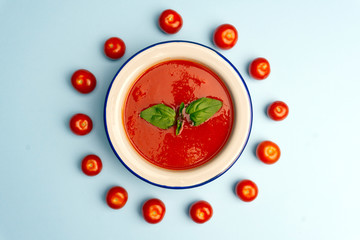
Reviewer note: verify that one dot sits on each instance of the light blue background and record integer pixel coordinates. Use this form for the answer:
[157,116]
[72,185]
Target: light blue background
[311,193]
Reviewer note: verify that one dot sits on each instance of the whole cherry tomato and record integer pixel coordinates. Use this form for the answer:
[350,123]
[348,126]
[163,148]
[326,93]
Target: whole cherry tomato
[91,165]
[268,152]
[278,111]
[153,210]
[246,190]
[116,197]
[170,21]
[201,211]
[81,124]
[225,36]
[114,48]
[259,68]
[83,81]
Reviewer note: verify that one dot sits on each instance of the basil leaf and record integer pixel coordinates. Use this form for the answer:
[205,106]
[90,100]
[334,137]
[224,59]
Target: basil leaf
[180,119]
[159,115]
[202,109]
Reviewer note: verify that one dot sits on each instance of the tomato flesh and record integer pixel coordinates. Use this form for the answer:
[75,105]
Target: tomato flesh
[201,211]
[116,197]
[91,165]
[268,152]
[246,190]
[259,68]
[225,36]
[83,81]
[153,210]
[170,21]
[81,124]
[278,110]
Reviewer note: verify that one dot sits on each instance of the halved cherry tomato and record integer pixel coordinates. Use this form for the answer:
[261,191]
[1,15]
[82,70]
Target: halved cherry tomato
[225,36]
[114,48]
[246,190]
[201,211]
[153,210]
[170,21]
[91,165]
[278,111]
[83,81]
[268,152]
[81,124]
[116,197]
[259,68]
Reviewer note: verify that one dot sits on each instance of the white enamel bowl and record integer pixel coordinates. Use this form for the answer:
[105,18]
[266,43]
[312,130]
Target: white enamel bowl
[122,83]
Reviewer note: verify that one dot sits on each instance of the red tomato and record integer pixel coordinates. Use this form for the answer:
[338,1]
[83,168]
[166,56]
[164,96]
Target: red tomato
[116,197]
[246,190]
[201,211]
[259,68]
[83,81]
[153,210]
[91,165]
[225,36]
[170,21]
[278,111]
[114,48]
[268,152]
[81,124]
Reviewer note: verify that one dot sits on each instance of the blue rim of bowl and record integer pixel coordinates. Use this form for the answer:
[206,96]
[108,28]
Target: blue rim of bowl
[179,187]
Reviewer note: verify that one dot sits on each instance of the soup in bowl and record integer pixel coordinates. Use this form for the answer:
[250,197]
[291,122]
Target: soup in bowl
[178,114]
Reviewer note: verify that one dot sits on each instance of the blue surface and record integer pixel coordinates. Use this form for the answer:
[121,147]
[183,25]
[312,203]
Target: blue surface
[311,193]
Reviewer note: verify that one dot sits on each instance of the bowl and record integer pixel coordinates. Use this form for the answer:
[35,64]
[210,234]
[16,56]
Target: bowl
[121,85]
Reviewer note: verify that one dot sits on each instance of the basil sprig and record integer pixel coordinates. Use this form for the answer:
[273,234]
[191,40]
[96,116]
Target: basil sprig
[159,115]
[199,111]
[202,109]
[180,119]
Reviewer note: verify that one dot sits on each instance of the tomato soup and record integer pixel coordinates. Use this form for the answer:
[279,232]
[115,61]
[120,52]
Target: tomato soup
[172,83]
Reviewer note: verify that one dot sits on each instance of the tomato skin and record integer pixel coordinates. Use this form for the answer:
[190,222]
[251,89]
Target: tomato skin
[116,197]
[81,124]
[170,21]
[114,48]
[268,152]
[247,190]
[83,81]
[201,211]
[91,165]
[153,210]
[225,36]
[278,110]
[259,68]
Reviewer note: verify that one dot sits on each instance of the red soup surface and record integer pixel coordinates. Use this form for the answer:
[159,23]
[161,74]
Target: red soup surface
[171,83]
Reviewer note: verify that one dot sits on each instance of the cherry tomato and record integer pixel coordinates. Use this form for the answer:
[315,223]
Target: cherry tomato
[246,190]
[114,48]
[91,165]
[268,152]
[278,111]
[170,21]
[116,197]
[81,124]
[153,210]
[83,81]
[259,68]
[201,211]
[225,36]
